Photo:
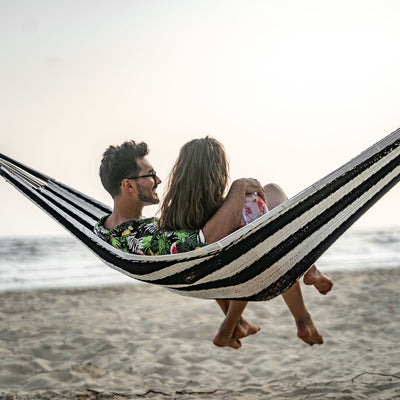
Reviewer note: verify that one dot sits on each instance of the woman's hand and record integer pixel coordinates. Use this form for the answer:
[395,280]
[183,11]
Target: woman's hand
[227,218]
[249,185]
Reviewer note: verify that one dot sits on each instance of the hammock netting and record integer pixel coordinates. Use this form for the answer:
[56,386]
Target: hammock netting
[255,263]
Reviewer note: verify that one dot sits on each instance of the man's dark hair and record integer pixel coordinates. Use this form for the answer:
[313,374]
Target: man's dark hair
[118,163]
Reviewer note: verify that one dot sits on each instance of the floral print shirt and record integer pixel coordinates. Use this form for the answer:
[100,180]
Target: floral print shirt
[142,236]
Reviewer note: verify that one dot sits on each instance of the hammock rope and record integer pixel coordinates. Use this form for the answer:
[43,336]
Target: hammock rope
[255,263]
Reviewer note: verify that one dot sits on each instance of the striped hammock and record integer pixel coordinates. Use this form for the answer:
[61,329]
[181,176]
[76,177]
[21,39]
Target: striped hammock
[258,261]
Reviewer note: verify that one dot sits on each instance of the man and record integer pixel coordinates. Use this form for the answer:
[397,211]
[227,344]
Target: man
[132,182]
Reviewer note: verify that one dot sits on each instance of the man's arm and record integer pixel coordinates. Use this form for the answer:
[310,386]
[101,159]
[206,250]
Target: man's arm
[227,218]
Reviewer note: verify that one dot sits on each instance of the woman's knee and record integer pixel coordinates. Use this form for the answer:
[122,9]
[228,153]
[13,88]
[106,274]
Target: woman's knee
[274,195]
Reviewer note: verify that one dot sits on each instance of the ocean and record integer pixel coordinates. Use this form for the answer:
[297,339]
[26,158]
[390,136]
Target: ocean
[63,262]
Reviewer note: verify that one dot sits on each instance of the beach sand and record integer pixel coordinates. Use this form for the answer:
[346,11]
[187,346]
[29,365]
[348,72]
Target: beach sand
[141,341]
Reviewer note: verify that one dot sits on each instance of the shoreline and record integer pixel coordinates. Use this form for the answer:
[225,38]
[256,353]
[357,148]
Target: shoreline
[129,282]
[142,341]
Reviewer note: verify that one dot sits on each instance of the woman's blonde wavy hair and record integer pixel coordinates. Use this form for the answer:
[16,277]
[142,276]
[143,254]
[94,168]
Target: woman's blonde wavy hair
[196,185]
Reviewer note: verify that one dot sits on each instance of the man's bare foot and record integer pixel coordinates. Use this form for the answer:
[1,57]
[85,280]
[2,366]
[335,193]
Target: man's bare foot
[222,340]
[307,331]
[244,328]
[314,277]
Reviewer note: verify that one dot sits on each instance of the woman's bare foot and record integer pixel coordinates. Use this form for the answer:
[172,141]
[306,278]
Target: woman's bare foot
[244,328]
[307,331]
[222,340]
[314,277]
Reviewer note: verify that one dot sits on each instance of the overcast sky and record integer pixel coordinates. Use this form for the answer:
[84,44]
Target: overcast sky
[293,89]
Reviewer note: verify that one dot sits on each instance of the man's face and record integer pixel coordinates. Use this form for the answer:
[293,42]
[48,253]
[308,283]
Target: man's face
[147,187]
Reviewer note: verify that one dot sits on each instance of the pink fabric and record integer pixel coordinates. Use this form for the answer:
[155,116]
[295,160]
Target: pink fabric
[253,208]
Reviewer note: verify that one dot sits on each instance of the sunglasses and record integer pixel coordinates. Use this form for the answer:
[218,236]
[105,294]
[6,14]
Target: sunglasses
[152,175]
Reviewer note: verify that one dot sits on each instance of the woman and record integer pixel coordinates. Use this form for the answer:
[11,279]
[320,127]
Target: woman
[195,191]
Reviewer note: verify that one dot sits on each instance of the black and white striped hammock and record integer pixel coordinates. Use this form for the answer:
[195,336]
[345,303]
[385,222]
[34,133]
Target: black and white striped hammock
[258,261]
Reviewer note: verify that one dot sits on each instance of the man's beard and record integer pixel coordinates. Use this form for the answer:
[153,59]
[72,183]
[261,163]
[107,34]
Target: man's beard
[147,198]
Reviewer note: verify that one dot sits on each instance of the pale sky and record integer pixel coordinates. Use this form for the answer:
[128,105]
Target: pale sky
[293,89]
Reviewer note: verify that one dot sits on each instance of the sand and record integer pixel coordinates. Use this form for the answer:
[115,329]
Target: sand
[141,341]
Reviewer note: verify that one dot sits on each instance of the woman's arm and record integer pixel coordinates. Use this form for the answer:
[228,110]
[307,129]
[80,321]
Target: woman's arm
[227,218]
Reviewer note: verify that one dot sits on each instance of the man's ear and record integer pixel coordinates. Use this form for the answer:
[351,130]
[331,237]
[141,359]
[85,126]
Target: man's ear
[127,185]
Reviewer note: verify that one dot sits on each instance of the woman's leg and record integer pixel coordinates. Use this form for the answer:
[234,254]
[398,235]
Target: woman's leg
[293,297]
[243,327]
[306,329]
[223,304]
[315,277]
[275,196]
[225,334]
